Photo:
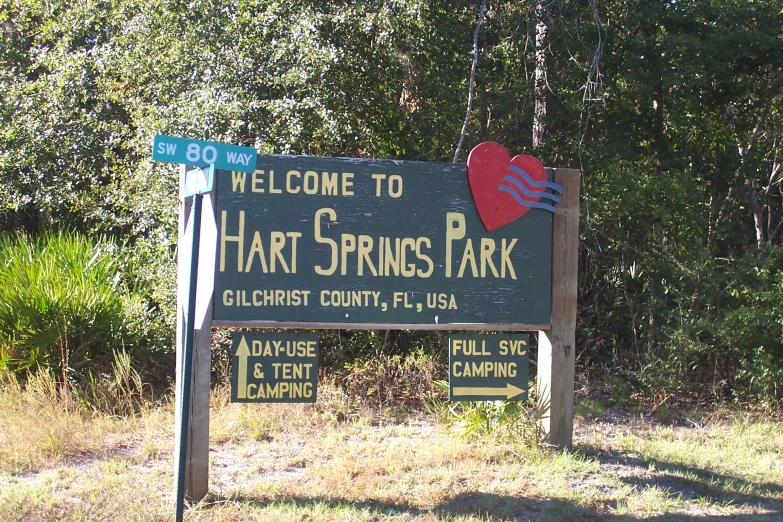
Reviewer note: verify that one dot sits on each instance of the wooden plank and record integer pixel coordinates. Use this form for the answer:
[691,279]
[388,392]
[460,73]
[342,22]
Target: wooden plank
[386,326]
[197,460]
[556,345]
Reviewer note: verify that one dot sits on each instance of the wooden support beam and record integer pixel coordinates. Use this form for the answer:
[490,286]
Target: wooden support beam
[197,459]
[556,346]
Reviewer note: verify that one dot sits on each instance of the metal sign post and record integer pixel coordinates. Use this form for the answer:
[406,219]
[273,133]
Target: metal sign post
[194,302]
[187,356]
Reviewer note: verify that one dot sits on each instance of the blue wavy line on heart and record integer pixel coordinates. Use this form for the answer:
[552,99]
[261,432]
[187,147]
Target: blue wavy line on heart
[533,183]
[530,193]
[524,203]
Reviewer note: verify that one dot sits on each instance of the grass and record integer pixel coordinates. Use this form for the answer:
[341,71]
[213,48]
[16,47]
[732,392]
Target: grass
[339,461]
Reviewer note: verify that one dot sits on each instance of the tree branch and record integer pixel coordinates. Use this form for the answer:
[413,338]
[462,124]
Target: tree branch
[472,78]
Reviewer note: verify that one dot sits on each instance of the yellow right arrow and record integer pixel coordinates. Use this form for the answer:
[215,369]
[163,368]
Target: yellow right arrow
[508,391]
[243,352]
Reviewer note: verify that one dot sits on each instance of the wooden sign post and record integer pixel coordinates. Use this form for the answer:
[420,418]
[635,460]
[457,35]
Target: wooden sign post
[556,346]
[194,312]
[197,446]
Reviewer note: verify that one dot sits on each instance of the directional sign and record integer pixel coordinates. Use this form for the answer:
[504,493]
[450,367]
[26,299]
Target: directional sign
[274,367]
[488,367]
[196,152]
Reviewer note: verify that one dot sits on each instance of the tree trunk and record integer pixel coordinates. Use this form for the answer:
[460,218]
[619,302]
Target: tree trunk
[758,220]
[753,203]
[660,136]
[539,111]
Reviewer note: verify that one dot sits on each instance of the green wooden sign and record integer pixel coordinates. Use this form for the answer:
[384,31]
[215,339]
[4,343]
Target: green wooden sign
[274,367]
[488,367]
[340,242]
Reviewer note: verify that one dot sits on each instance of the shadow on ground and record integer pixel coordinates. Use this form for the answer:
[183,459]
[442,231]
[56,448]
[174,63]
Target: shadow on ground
[688,483]
[691,482]
[490,506]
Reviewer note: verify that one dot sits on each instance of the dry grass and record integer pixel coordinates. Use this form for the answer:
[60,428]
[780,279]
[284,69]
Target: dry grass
[338,461]
[41,426]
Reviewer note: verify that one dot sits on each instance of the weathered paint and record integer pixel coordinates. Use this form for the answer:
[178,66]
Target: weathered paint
[321,240]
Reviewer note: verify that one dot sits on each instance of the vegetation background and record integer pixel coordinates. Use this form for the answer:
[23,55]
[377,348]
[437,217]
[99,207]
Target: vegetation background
[671,110]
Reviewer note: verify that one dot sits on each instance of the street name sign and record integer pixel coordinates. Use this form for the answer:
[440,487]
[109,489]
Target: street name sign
[487,367]
[185,151]
[274,367]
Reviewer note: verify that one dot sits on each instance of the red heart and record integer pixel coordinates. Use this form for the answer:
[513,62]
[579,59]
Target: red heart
[488,164]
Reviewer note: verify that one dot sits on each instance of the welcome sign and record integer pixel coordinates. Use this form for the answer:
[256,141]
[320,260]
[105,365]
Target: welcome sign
[300,241]
[306,239]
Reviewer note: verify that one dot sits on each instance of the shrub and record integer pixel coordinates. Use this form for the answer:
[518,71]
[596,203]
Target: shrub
[731,336]
[66,306]
[386,379]
[385,366]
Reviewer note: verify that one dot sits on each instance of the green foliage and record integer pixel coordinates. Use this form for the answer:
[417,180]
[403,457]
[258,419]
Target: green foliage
[518,420]
[678,133]
[384,367]
[733,332]
[341,348]
[388,379]
[66,307]
[682,202]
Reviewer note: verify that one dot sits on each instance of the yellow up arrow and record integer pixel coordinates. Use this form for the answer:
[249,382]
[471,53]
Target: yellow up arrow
[508,391]
[243,352]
